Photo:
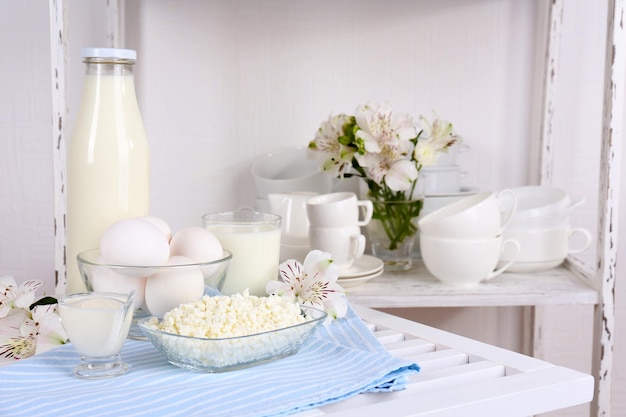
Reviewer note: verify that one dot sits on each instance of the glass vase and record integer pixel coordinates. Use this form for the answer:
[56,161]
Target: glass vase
[393,230]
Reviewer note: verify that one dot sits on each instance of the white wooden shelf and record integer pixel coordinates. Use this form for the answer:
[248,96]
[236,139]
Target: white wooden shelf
[418,288]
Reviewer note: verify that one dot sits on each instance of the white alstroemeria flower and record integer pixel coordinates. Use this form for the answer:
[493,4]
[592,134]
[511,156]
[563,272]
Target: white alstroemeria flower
[376,166]
[16,338]
[398,172]
[426,152]
[12,296]
[401,176]
[334,156]
[440,132]
[24,333]
[50,332]
[383,130]
[386,138]
[313,284]
[336,308]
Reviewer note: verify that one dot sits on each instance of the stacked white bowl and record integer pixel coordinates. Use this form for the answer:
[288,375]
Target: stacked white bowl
[445,178]
[461,243]
[444,183]
[285,171]
[541,224]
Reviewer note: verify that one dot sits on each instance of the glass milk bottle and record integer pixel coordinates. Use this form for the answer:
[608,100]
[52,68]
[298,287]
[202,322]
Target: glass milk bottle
[108,162]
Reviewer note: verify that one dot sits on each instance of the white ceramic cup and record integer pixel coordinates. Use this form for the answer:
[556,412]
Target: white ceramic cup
[345,244]
[475,216]
[340,209]
[465,262]
[544,249]
[295,222]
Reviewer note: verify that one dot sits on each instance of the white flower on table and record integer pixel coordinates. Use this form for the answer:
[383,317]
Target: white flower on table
[313,284]
[12,296]
[25,332]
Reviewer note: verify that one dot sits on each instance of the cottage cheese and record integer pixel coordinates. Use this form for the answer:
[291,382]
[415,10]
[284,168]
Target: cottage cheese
[230,316]
[231,332]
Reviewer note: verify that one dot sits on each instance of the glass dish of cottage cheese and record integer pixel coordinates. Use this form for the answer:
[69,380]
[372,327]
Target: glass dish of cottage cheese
[225,333]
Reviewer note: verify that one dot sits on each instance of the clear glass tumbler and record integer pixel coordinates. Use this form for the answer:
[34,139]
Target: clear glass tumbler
[253,238]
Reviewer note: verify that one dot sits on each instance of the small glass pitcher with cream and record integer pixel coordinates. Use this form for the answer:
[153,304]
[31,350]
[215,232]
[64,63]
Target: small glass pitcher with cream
[97,324]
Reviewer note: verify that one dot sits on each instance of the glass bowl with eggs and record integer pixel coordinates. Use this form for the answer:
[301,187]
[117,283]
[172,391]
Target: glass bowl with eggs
[248,331]
[164,269]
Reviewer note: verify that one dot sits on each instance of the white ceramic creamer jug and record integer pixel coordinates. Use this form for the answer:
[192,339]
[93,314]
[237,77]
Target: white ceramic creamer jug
[292,208]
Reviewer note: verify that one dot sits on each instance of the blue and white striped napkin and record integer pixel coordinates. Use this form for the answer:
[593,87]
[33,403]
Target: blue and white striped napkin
[339,361]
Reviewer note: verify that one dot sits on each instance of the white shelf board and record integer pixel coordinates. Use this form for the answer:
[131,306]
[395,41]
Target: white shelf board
[418,288]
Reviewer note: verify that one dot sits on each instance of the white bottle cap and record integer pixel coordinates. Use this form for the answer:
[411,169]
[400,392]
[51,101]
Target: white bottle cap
[109,53]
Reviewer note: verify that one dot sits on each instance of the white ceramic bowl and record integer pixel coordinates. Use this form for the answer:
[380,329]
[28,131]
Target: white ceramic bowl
[449,157]
[541,206]
[289,170]
[474,216]
[442,180]
[435,202]
[544,249]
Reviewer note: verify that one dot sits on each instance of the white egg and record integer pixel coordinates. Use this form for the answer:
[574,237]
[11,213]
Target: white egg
[160,223]
[196,243]
[134,242]
[104,279]
[170,287]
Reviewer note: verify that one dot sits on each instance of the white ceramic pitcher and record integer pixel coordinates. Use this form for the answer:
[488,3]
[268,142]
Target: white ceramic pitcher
[292,208]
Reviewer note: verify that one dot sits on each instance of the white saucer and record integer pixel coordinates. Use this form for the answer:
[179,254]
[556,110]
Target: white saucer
[364,266]
[352,282]
[462,192]
[526,267]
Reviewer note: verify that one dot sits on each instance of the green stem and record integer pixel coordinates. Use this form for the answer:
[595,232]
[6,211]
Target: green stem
[397,218]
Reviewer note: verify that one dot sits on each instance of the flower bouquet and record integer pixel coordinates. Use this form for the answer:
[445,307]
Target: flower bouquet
[387,150]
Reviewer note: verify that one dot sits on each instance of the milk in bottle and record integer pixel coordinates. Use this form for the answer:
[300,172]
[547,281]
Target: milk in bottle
[108,163]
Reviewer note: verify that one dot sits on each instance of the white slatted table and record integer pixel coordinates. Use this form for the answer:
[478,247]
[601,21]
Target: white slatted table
[461,377]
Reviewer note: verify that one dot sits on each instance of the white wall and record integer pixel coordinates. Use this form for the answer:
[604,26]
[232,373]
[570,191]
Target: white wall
[26,187]
[221,83]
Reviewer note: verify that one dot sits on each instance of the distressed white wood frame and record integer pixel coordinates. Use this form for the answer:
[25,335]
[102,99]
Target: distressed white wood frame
[60,112]
[608,219]
[601,277]
[58,60]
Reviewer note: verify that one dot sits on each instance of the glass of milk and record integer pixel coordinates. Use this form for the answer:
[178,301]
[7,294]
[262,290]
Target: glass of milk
[97,325]
[253,238]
